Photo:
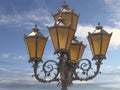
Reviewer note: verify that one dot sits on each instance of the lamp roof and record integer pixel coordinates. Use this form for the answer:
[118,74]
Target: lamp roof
[75,40]
[60,22]
[99,29]
[65,8]
[35,32]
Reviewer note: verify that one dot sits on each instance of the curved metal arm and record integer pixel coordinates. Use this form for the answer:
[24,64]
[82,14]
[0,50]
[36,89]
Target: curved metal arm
[48,73]
[86,70]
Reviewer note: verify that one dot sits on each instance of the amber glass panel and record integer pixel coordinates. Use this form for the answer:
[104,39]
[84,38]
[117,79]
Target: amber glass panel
[105,43]
[31,45]
[53,34]
[82,48]
[96,43]
[63,37]
[75,21]
[67,17]
[41,42]
[91,45]
[74,51]
[70,37]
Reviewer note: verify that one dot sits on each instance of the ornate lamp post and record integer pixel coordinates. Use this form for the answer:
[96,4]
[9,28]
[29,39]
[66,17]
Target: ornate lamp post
[69,50]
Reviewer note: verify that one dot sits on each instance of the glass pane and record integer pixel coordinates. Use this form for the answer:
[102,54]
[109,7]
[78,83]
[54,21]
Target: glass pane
[91,45]
[63,36]
[82,48]
[31,45]
[67,17]
[53,35]
[41,42]
[75,21]
[96,43]
[70,37]
[74,51]
[105,43]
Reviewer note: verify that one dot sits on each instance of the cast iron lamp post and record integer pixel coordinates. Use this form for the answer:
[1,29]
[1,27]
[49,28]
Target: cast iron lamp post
[71,66]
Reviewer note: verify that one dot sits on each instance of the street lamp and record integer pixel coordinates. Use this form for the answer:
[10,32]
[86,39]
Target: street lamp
[61,35]
[76,50]
[71,66]
[68,15]
[35,43]
[99,41]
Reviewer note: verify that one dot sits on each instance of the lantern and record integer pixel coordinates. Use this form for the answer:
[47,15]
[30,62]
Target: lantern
[99,42]
[76,51]
[35,43]
[68,15]
[61,35]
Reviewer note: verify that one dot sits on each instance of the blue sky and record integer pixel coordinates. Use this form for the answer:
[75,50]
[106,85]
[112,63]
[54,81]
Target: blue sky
[17,17]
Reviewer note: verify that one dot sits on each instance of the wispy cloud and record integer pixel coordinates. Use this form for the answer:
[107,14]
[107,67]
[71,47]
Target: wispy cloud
[10,75]
[82,32]
[114,9]
[27,18]
[3,69]
[8,56]
[110,69]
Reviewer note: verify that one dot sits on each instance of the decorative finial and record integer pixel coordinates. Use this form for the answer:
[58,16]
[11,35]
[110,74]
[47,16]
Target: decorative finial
[35,29]
[35,25]
[99,27]
[98,23]
[65,6]
[64,1]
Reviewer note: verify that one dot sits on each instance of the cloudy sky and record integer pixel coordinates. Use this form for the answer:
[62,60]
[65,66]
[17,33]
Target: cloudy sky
[17,17]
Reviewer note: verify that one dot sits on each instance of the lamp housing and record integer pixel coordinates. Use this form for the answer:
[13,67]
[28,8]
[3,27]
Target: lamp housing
[35,43]
[99,42]
[76,51]
[61,35]
[70,17]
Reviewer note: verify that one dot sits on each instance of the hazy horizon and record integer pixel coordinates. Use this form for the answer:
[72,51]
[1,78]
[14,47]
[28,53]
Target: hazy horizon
[20,81]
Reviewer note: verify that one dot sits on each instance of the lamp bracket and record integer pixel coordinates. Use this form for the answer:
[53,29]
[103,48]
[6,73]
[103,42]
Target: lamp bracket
[64,71]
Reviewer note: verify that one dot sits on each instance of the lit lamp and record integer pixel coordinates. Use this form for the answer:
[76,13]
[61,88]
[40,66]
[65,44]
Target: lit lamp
[61,35]
[99,42]
[68,15]
[76,51]
[35,43]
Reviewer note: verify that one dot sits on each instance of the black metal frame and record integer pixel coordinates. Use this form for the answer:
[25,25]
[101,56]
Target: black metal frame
[65,70]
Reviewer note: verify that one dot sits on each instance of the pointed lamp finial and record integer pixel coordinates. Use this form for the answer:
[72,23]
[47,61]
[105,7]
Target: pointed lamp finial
[65,6]
[98,23]
[99,27]
[64,1]
[35,29]
[35,25]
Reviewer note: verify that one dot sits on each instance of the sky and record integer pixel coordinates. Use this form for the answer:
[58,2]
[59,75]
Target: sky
[18,17]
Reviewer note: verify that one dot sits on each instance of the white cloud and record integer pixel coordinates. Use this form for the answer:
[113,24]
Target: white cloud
[115,39]
[82,32]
